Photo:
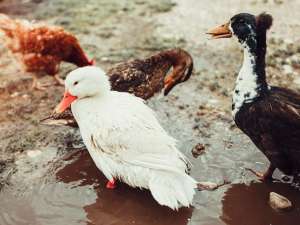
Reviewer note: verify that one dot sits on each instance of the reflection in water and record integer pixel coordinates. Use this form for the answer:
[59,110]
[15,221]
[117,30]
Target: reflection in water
[248,205]
[123,205]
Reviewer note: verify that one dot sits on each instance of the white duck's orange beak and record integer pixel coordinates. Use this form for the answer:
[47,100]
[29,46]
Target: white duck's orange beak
[65,102]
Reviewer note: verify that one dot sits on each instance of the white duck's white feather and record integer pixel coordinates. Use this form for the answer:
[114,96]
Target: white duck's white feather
[127,142]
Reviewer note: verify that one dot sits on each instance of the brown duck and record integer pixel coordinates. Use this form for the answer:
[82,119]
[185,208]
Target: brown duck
[143,78]
[269,115]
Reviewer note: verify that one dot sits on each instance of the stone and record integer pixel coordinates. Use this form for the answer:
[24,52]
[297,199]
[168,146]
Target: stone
[279,202]
[287,69]
[198,150]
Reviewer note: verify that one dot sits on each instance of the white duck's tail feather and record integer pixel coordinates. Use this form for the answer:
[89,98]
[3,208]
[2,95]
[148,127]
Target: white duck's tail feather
[172,189]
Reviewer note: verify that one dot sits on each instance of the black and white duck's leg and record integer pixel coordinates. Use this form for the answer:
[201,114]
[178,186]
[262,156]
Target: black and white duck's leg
[266,176]
[275,156]
[296,169]
[296,179]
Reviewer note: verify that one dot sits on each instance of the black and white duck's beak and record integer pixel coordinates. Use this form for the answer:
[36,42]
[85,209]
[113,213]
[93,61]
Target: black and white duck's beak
[222,31]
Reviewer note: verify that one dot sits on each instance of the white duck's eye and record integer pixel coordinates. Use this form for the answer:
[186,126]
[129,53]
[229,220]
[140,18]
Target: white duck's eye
[75,83]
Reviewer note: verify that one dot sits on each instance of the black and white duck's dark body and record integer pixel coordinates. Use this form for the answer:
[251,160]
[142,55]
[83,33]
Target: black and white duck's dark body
[269,115]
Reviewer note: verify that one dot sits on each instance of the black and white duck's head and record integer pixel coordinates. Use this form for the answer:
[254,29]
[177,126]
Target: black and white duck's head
[244,26]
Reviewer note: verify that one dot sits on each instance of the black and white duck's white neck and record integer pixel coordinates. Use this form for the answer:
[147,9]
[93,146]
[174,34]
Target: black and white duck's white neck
[250,82]
[251,34]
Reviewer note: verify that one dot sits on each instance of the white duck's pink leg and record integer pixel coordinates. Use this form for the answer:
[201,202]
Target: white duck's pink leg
[111,184]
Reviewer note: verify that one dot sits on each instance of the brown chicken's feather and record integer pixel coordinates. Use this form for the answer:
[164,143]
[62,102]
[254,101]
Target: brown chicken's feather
[42,47]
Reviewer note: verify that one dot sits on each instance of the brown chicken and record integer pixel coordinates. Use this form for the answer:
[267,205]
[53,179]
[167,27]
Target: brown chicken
[143,78]
[41,47]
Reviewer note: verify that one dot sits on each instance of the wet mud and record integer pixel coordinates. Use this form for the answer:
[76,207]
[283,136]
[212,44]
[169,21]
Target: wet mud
[44,180]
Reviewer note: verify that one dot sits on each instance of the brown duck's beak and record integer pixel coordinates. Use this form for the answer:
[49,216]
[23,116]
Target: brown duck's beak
[222,31]
[169,84]
[179,74]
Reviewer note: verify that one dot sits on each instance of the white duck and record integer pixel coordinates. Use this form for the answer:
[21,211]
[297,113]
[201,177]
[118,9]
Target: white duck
[125,139]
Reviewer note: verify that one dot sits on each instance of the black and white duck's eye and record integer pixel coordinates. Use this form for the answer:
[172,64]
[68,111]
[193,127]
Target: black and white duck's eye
[75,83]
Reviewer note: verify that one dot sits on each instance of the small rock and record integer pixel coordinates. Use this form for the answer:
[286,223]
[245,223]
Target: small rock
[287,69]
[295,59]
[33,153]
[104,59]
[25,96]
[297,80]
[198,150]
[181,107]
[279,202]
[15,94]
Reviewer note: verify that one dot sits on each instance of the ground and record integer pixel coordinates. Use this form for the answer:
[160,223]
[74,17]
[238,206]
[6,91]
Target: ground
[41,176]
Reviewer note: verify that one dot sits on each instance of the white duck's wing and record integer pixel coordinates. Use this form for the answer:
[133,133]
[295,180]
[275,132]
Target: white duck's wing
[133,135]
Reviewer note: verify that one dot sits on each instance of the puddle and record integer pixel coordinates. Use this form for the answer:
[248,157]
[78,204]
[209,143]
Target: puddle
[49,188]
[248,205]
[72,191]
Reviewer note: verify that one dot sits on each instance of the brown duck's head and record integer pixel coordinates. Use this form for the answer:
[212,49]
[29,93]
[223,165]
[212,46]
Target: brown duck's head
[244,26]
[181,72]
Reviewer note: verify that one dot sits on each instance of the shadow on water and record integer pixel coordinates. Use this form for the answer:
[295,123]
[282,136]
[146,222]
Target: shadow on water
[123,205]
[248,205]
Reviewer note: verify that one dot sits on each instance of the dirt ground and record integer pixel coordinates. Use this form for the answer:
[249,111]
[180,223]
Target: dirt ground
[43,180]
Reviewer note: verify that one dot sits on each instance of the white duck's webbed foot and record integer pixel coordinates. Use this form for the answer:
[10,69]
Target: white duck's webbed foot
[210,186]
[111,184]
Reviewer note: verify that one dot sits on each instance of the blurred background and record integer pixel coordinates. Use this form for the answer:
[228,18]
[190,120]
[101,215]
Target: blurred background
[40,183]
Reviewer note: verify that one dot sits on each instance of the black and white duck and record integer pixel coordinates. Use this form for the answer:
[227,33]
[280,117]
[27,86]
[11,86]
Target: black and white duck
[269,115]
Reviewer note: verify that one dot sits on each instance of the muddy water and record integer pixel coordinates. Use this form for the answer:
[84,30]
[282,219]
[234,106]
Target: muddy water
[68,189]
[54,185]
[71,190]
[254,208]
